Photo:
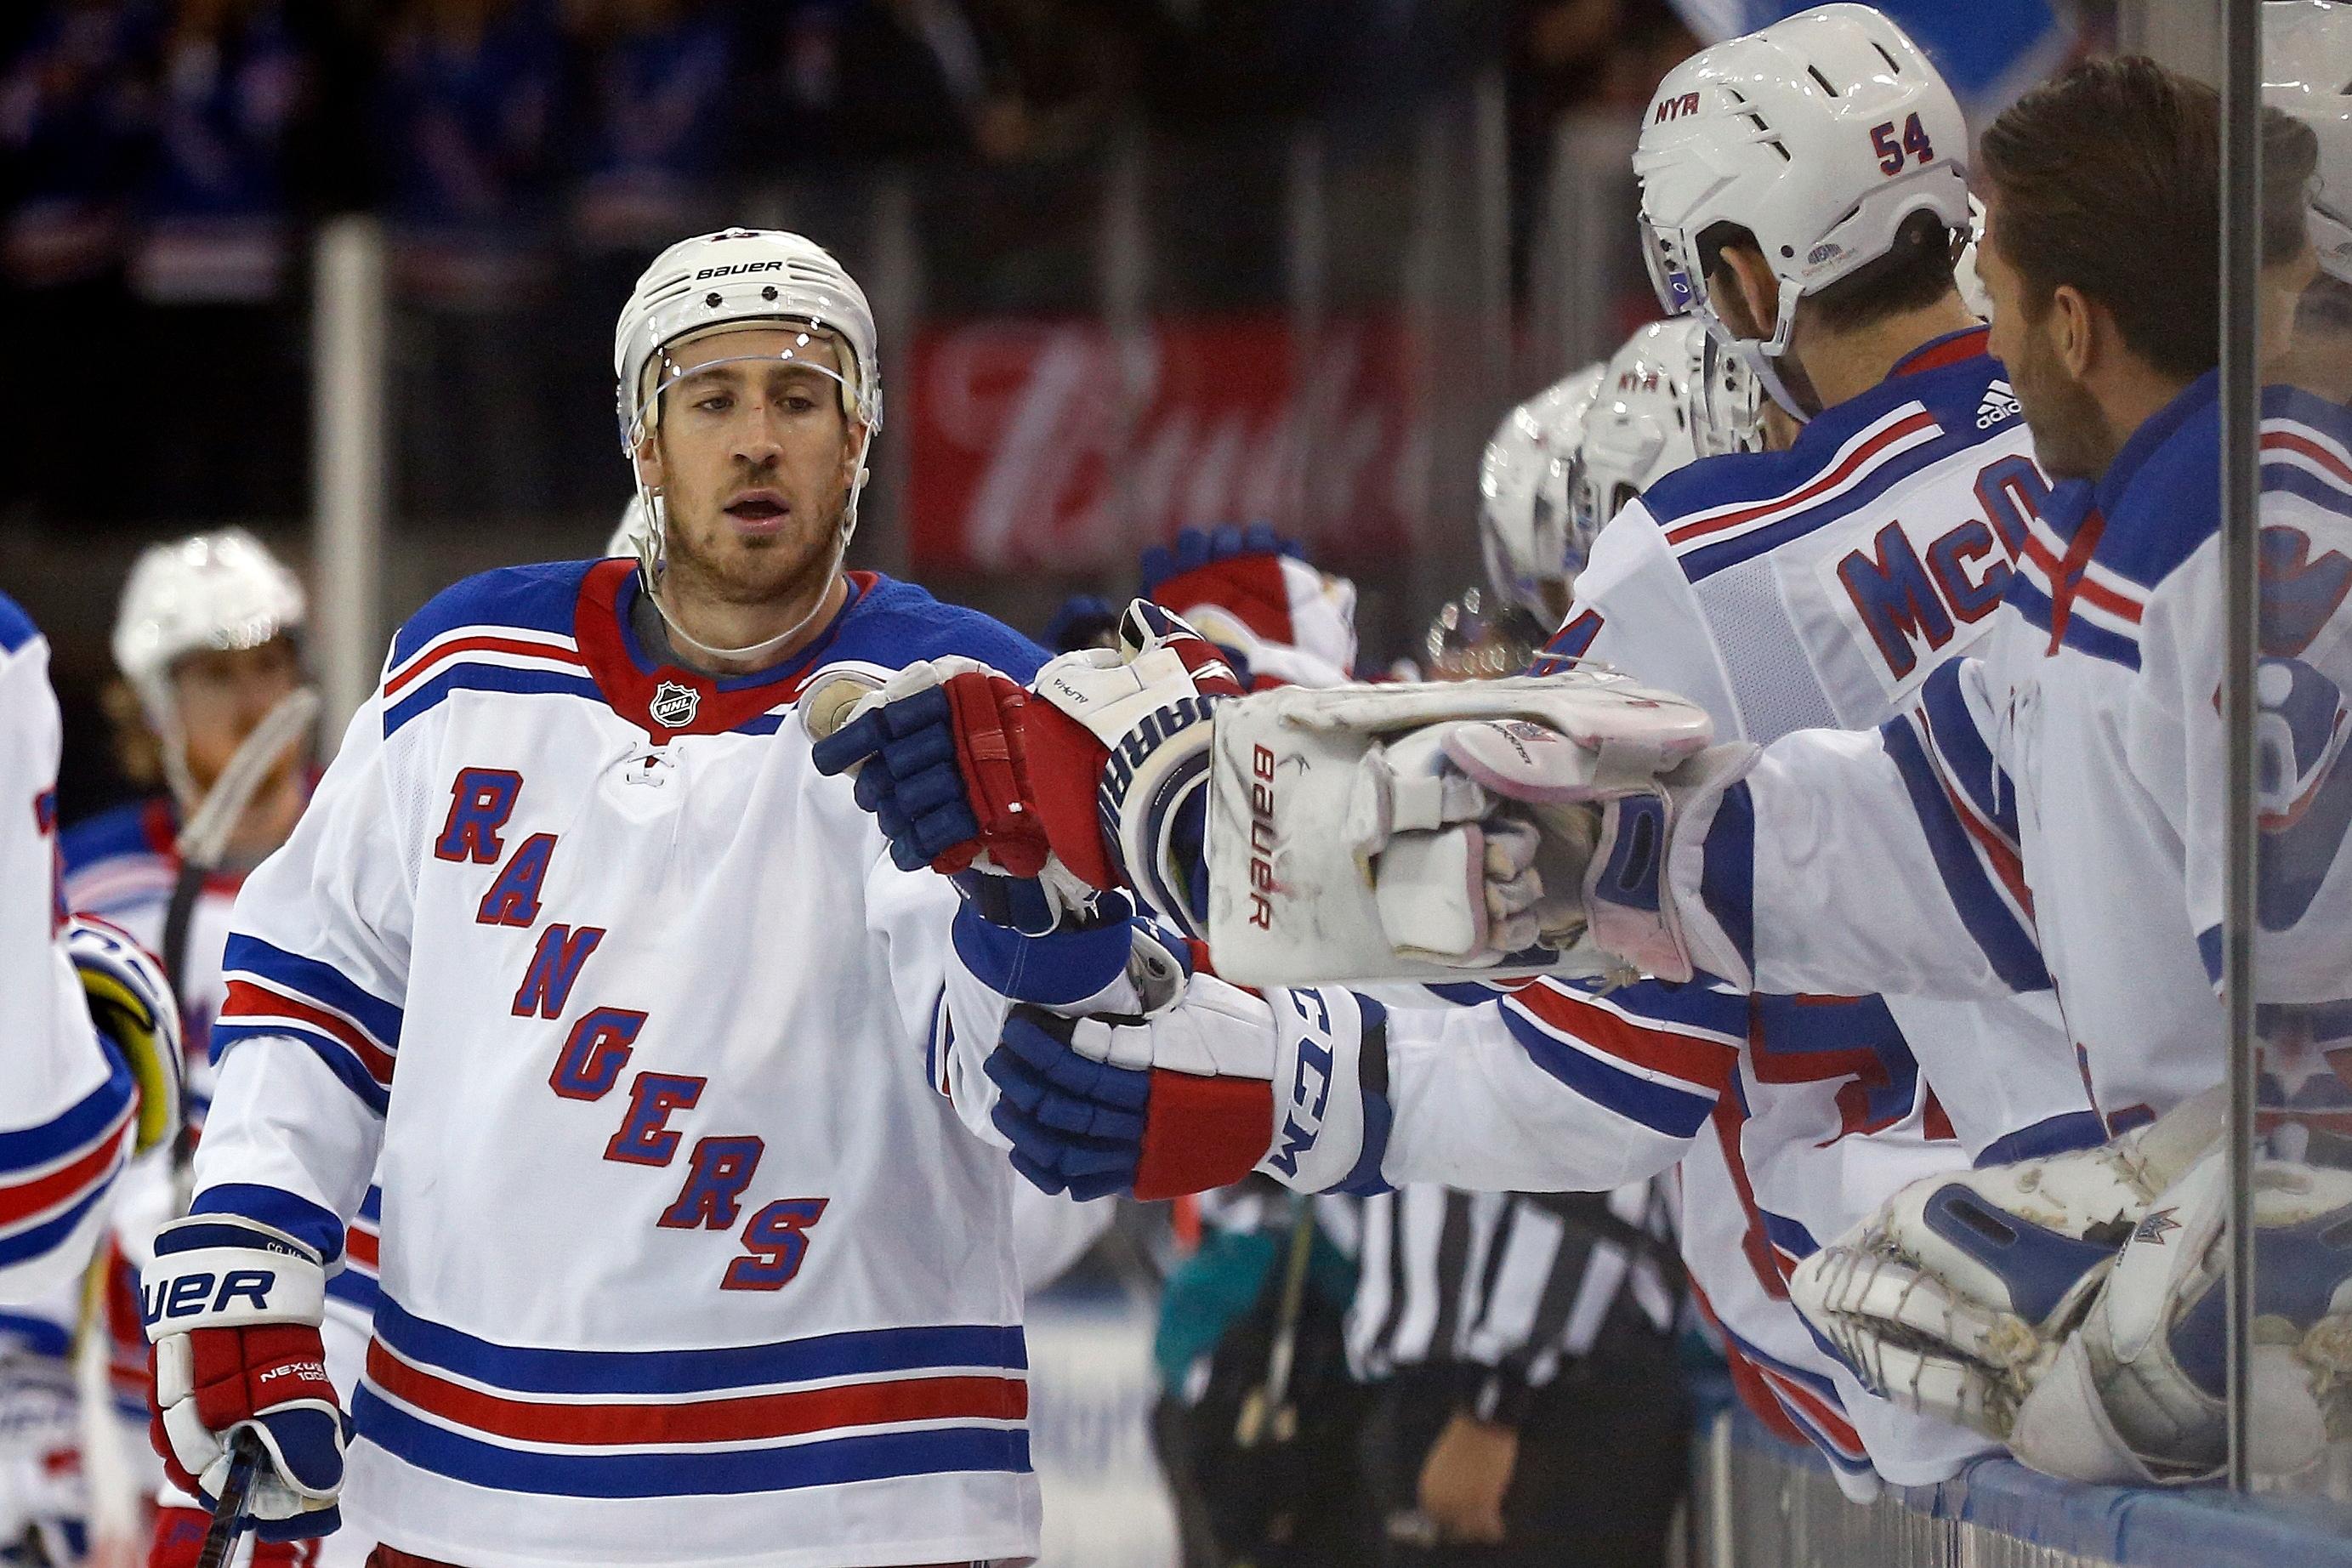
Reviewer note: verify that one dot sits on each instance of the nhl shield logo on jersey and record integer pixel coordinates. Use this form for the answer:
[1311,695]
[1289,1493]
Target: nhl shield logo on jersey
[674,704]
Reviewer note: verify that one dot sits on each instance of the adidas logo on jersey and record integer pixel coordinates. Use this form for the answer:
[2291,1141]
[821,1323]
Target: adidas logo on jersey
[1999,403]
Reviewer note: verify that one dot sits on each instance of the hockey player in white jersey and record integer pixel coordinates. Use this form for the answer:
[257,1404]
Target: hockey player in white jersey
[1814,586]
[208,638]
[89,1042]
[685,1259]
[2053,806]
[90,1051]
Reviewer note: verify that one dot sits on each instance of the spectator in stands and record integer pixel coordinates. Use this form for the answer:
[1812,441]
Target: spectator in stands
[653,77]
[74,126]
[466,109]
[233,86]
[890,79]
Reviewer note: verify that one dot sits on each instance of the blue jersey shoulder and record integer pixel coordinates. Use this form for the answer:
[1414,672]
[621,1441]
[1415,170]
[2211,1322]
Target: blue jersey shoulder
[896,623]
[1721,511]
[108,834]
[540,598]
[16,628]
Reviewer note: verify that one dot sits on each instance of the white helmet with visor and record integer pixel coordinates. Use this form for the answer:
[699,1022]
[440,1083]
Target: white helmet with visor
[734,279]
[1524,479]
[1669,397]
[1817,136]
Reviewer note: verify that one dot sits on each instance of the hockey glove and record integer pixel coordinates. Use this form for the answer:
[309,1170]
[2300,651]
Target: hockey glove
[1646,884]
[1253,594]
[179,1538]
[1199,1096]
[1964,1293]
[130,1002]
[232,1308]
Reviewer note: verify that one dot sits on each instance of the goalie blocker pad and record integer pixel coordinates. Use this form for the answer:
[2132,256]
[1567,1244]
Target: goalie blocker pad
[1292,901]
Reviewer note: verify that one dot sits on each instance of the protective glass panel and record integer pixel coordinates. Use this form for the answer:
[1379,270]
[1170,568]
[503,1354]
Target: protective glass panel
[2301,1175]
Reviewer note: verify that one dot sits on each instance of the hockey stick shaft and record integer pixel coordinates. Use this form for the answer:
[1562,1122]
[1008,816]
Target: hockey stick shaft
[228,1514]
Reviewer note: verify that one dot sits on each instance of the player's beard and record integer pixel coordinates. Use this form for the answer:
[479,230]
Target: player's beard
[2072,436]
[793,565]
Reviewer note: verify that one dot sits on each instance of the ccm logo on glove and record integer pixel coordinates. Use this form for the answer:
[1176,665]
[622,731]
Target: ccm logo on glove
[191,1295]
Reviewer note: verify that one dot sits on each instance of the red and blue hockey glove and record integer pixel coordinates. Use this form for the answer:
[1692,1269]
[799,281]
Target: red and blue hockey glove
[130,1002]
[178,1541]
[1092,780]
[1198,1096]
[232,1308]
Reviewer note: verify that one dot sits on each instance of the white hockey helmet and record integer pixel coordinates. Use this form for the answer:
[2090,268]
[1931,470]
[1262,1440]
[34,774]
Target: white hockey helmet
[1965,276]
[1524,479]
[742,277]
[1818,135]
[2307,72]
[1669,397]
[222,590]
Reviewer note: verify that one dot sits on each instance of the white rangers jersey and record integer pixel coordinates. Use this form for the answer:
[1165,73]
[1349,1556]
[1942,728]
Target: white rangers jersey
[2051,812]
[1817,585]
[684,1257]
[66,1117]
[122,864]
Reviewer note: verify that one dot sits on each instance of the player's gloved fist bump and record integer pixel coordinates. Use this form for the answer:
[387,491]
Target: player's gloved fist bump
[1199,1096]
[1146,706]
[1664,886]
[232,1308]
[961,775]
[130,1002]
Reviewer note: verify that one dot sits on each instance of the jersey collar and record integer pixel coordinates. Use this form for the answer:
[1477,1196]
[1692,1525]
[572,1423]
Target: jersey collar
[1832,427]
[637,688]
[2153,433]
[1936,354]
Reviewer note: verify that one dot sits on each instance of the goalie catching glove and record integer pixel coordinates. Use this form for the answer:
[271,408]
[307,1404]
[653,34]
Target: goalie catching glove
[1090,782]
[2071,1306]
[232,1307]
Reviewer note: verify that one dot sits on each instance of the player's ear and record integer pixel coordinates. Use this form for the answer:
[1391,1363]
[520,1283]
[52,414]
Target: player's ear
[1754,289]
[2075,326]
[648,459]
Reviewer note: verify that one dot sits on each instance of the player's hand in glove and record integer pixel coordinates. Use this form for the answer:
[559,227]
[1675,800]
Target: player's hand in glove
[130,1002]
[232,1308]
[1197,1096]
[178,1541]
[1089,781]
[1253,594]
[1646,883]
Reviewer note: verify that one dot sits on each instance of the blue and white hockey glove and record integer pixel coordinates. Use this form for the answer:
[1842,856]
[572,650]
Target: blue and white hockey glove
[232,1308]
[130,1002]
[1198,1096]
[1663,889]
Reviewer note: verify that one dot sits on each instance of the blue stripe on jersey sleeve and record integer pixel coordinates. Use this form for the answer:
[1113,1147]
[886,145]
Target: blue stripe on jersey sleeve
[464,677]
[540,598]
[45,1238]
[349,1070]
[322,983]
[838,1461]
[1660,1107]
[73,1129]
[1728,871]
[1698,1005]
[1700,562]
[531,1370]
[16,628]
[315,1227]
[2060,1134]
[1968,760]
[2007,944]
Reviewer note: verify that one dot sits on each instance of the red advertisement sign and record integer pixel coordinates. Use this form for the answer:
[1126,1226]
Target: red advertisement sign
[1057,446]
